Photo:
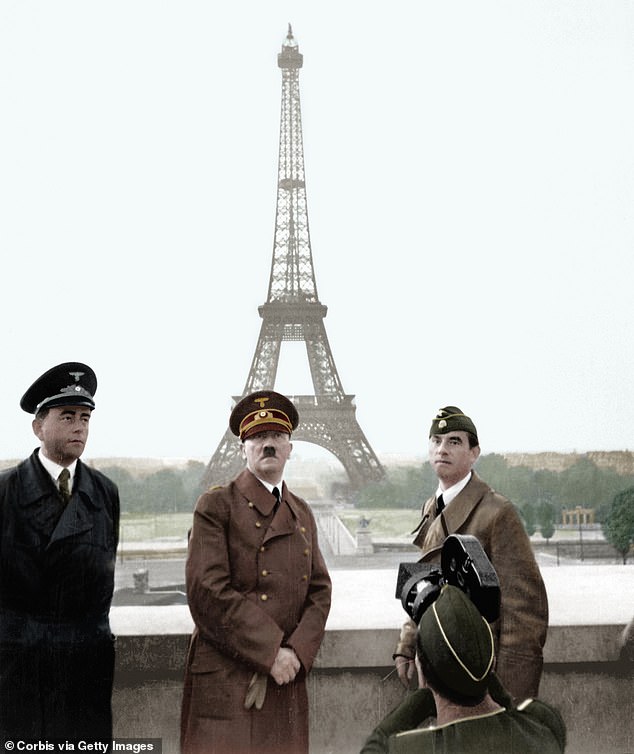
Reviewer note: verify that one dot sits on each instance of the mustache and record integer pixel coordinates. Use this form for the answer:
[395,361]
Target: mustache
[268,451]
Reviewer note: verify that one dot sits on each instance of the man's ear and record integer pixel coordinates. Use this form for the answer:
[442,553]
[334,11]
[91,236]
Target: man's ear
[242,450]
[36,425]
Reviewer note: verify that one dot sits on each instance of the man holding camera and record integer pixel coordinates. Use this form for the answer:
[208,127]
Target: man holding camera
[455,656]
[465,504]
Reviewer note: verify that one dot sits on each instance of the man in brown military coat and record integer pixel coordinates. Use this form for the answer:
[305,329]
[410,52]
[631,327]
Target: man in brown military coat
[259,594]
[465,504]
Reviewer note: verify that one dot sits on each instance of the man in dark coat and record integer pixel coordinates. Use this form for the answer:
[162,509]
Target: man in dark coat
[59,526]
[259,594]
[465,504]
[473,713]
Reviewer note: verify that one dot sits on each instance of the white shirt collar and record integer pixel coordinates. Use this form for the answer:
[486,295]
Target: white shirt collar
[453,491]
[270,486]
[54,469]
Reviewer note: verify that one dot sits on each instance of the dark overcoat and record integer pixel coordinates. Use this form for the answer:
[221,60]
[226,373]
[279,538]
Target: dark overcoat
[56,583]
[520,632]
[256,580]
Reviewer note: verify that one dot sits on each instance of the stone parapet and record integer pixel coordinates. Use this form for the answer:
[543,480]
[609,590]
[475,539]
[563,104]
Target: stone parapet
[353,685]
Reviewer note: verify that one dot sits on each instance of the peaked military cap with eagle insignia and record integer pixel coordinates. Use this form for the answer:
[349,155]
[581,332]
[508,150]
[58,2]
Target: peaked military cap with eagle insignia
[451,419]
[68,384]
[263,411]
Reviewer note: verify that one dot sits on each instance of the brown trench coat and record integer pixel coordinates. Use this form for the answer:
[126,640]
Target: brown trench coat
[256,581]
[521,629]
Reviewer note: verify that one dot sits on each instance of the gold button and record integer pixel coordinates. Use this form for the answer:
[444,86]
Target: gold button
[257,524]
[304,577]
[265,572]
[303,529]
[250,504]
[263,597]
[306,551]
[262,549]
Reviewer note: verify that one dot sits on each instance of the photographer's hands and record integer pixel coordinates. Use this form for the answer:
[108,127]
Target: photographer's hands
[405,667]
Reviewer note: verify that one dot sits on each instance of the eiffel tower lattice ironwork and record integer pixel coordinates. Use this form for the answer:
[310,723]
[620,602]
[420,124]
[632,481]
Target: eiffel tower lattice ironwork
[293,312]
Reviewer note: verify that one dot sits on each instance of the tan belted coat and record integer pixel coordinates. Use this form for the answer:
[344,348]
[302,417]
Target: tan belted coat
[520,632]
[256,580]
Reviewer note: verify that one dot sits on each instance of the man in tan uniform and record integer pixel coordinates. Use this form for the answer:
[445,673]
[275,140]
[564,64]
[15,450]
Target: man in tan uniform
[465,504]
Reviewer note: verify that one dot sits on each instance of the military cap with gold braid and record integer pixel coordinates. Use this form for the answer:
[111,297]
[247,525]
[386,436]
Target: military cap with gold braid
[457,643]
[451,419]
[263,411]
[68,384]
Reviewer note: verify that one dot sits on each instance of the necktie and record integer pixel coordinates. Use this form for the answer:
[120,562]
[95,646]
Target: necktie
[440,504]
[276,493]
[64,484]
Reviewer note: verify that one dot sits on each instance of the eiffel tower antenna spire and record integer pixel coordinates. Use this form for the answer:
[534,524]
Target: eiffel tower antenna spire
[293,312]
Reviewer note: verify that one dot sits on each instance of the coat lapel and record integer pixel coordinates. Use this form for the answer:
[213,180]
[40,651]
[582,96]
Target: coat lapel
[284,521]
[77,516]
[42,503]
[433,530]
[255,492]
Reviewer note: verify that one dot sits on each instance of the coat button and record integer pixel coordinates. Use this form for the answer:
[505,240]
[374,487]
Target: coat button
[265,572]
[306,551]
[263,549]
[258,525]
[302,529]
[250,504]
[264,597]
[304,577]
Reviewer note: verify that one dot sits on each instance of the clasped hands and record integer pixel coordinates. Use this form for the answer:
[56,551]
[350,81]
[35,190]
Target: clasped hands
[285,667]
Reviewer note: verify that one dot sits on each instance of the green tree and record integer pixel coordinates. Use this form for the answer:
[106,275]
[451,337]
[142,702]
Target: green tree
[165,491]
[618,526]
[528,515]
[546,520]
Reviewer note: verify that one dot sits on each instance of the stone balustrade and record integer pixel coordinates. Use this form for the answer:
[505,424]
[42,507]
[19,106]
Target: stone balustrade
[352,684]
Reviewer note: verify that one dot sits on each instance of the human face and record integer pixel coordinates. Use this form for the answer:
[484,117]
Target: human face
[63,432]
[451,457]
[266,454]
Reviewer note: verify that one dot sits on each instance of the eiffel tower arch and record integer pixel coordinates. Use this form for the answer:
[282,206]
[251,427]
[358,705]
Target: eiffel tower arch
[293,312]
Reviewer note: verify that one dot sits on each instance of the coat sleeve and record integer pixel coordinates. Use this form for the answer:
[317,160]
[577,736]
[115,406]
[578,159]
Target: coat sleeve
[524,606]
[234,624]
[306,638]
[409,714]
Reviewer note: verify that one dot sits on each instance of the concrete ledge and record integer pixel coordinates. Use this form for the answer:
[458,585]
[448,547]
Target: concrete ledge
[159,653]
[352,685]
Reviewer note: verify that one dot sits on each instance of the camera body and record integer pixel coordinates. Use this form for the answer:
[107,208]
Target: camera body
[463,564]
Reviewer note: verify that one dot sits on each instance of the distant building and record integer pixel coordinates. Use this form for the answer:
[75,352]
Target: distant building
[577,516]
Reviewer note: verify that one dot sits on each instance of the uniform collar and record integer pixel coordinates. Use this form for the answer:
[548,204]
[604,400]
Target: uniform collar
[270,487]
[452,492]
[54,469]
[36,481]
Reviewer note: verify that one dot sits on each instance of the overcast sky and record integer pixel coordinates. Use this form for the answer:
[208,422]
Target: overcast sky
[470,181]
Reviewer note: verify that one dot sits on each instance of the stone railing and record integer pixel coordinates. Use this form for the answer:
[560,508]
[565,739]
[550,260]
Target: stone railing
[352,684]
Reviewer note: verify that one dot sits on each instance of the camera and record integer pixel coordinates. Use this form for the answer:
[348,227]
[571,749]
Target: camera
[464,564]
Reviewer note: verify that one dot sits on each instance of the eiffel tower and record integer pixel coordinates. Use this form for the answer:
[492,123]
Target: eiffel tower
[293,312]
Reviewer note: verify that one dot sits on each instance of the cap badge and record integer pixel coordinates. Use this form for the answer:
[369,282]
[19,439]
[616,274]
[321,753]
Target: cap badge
[442,424]
[261,401]
[77,375]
